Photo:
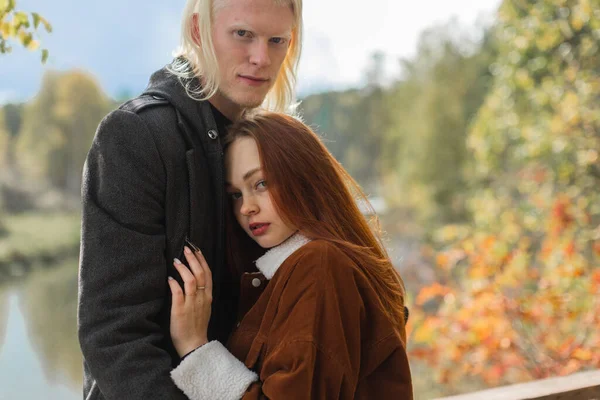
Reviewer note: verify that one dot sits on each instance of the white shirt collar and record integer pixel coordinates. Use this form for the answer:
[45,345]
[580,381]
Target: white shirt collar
[270,262]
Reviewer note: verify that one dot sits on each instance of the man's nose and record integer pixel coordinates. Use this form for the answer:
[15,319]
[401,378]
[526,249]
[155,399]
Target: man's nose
[259,54]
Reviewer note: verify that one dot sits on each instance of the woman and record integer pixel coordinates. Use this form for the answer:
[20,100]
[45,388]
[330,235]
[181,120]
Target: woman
[325,313]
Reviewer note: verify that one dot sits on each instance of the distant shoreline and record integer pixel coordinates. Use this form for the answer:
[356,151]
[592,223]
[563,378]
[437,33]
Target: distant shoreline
[37,240]
[18,265]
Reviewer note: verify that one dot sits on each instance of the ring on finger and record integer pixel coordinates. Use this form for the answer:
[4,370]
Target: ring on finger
[200,287]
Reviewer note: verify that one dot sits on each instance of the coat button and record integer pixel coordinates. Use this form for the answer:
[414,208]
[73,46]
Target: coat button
[213,134]
[256,282]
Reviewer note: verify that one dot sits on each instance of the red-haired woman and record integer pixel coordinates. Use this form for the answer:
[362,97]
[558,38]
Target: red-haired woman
[323,316]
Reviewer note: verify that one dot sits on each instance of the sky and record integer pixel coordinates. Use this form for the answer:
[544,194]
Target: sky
[122,42]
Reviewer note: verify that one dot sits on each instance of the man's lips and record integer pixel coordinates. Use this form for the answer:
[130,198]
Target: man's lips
[253,80]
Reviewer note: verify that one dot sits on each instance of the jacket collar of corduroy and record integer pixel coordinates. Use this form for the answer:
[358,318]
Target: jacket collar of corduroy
[270,262]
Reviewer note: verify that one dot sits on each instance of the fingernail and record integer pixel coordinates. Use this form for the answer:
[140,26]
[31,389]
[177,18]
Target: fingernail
[187,250]
[171,278]
[176,260]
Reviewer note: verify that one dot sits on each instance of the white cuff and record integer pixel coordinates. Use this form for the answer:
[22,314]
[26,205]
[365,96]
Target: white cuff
[212,372]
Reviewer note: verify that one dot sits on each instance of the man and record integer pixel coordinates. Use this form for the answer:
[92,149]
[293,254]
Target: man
[154,179]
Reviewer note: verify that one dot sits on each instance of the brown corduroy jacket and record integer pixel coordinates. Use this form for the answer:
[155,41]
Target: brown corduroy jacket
[315,331]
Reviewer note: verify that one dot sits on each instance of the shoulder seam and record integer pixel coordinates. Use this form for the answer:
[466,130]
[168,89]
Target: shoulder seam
[142,102]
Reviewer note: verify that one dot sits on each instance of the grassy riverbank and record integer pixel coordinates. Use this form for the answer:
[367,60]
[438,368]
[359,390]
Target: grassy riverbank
[37,238]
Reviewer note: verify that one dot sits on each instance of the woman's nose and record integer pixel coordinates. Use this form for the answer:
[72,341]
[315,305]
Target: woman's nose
[249,207]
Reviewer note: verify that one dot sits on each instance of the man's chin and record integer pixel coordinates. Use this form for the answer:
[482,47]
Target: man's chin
[247,99]
[251,102]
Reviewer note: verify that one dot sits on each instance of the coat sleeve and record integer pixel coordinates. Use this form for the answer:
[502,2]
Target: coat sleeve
[301,370]
[297,370]
[301,365]
[122,273]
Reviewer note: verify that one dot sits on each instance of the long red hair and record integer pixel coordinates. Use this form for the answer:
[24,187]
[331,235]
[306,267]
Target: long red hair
[313,192]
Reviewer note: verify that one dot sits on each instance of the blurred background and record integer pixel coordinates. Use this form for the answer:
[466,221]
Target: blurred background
[473,125]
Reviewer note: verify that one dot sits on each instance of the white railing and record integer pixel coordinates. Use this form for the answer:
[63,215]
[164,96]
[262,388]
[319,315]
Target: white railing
[579,386]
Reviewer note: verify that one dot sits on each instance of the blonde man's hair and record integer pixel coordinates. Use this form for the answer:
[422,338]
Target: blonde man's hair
[194,60]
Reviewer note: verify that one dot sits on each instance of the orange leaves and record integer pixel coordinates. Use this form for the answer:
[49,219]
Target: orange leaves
[430,292]
[596,248]
[595,282]
[480,271]
[449,259]
[527,290]
[561,215]
[569,249]
[582,354]
[514,310]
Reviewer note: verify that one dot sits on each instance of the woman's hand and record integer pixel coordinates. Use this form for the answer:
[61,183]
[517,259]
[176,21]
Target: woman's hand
[190,310]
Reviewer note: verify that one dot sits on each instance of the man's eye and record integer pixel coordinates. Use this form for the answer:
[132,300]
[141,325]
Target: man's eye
[278,40]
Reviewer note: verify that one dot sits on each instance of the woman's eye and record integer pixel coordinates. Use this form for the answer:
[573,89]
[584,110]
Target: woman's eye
[241,32]
[261,185]
[235,196]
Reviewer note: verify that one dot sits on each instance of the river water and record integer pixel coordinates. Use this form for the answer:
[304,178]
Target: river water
[39,352]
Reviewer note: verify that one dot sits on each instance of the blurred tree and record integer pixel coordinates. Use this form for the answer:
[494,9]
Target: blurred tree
[329,114]
[11,126]
[352,124]
[4,139]
[20,26]
[13,118]
[58,128]
[375,72]
[431,107]
[519,296]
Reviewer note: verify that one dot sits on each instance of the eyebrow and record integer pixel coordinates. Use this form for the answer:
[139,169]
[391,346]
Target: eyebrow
[247,175]
[242,26]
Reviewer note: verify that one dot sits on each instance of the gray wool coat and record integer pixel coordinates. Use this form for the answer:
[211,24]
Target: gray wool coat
[153,176]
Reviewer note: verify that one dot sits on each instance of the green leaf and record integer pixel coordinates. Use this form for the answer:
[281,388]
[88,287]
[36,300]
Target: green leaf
[21,19]
[46,24]
[26,39]
[36,20]
[44,56]
[6,6]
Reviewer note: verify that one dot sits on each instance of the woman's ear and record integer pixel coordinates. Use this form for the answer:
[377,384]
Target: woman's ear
[196,30]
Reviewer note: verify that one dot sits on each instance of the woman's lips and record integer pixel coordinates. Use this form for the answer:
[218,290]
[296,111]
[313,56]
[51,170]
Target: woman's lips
[259,229]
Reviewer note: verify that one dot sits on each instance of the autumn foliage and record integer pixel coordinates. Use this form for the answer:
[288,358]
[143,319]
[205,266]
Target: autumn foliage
[518,289]
[21,27]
